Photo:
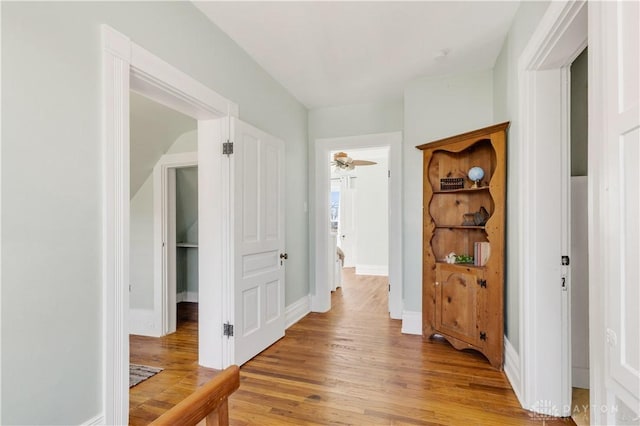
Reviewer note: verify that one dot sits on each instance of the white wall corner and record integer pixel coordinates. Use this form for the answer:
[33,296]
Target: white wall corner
[97,420]
[512,369]
[580,377]
[296,311]
[412,322]
[142,323]
[377,270]
[187,296]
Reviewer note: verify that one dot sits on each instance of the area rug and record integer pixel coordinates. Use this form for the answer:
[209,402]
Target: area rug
[140,373]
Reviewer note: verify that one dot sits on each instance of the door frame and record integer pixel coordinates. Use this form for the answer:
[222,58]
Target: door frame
[164,249]
[321,298]
[127,66]
[544,71]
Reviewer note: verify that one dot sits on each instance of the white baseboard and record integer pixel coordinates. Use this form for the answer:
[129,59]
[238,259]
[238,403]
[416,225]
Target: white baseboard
[97,420]
[580,377]
[412,322]
[187,296]
[142,323]
[296,311]
[380,270]
[512,369]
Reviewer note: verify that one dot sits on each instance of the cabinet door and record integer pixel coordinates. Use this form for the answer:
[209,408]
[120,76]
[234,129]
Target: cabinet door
[457,302]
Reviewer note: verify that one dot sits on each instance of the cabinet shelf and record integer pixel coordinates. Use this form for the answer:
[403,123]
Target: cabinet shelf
[187,245]
[459,265]
[454,191]
[459,227]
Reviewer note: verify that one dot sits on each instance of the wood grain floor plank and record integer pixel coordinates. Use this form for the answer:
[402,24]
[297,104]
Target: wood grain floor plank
[350,366]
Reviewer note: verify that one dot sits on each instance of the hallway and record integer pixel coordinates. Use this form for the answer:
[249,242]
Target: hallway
[348,366]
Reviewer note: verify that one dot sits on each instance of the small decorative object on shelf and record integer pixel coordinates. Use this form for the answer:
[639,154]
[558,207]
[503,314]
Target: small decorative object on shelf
[447,184]
[478,218]
[481,253]
[463,294]
[476,174]
[464,259]
[453,258]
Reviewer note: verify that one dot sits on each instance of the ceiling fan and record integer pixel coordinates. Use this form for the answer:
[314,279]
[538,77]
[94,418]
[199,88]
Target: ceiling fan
[342,161]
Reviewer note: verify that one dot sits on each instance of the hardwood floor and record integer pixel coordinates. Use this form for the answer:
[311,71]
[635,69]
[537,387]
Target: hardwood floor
[348,366]
[177,353]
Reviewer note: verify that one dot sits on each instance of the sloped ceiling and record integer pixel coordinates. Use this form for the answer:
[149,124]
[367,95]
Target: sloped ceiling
[154,128]
[336,53]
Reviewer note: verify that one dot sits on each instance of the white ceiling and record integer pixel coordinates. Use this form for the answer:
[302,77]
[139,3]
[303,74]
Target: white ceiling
[338,53]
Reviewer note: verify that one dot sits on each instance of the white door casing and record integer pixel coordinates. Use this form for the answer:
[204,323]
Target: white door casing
[259,238]
[127,66]
[544,207]
[614,207]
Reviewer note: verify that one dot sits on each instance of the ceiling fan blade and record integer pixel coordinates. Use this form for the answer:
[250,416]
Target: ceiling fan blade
[363,163]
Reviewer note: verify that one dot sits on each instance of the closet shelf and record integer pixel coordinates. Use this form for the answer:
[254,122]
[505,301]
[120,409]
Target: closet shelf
[189,245]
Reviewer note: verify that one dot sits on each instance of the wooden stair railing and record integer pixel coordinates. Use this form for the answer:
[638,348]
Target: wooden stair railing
[209,402]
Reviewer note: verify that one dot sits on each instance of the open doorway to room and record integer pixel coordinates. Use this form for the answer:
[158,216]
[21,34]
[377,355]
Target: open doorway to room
[186,231]
[163,241]
[579,254]
[366,250]
[359,213]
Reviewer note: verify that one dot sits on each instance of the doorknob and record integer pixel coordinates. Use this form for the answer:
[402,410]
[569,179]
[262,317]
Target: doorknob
[284,256]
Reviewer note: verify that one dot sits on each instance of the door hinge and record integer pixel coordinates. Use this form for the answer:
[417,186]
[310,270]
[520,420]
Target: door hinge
[612,337]
[482,283]
[389,286]
[227,148]
[565,260]
[483,335]
[388,173]
[227,329]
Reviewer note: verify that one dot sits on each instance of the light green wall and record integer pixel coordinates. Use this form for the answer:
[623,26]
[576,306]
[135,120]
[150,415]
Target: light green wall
[346,120]
[505,108]
[52,291]
[434,108]
[353,120]
[141,247]
[153,128]
[579,115]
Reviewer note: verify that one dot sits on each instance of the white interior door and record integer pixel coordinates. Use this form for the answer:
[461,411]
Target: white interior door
[258,173]
[346,225]
[621,208]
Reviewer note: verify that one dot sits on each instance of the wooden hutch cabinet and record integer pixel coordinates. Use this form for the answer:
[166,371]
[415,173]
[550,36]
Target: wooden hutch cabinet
[463,297]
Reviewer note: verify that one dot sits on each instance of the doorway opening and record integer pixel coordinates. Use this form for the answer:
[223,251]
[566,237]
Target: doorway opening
[579,244]
[545,204]
[163,213]
[158,204]
[186,235]
[359,213]
[325,248]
